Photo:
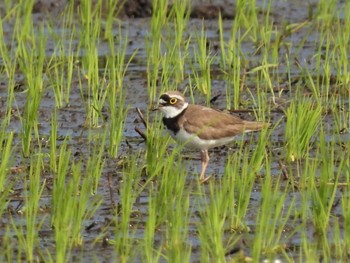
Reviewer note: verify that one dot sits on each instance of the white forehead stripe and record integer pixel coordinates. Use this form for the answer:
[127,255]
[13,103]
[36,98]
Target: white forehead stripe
[161,101]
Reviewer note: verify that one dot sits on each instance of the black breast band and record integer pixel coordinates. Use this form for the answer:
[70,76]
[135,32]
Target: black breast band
[172,124]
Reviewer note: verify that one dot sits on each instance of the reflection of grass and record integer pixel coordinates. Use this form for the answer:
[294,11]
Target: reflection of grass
[302,216]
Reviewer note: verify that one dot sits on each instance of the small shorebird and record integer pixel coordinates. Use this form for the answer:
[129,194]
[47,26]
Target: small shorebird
[201,127]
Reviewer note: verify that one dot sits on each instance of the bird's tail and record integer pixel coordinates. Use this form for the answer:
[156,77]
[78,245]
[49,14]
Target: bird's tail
[255,125]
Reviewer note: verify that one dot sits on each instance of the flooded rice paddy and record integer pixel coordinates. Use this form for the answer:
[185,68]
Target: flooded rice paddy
[293,63]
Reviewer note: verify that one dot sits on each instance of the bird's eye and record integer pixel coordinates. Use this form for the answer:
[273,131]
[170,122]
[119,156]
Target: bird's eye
[173,101]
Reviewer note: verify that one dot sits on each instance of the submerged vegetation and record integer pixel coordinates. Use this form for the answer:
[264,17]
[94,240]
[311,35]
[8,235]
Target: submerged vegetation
[75,178]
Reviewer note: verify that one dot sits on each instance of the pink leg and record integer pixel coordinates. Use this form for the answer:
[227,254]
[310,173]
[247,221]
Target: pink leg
[205,161]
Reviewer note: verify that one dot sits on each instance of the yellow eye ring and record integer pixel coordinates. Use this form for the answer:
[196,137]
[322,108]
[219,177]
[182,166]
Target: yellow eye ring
[173,101]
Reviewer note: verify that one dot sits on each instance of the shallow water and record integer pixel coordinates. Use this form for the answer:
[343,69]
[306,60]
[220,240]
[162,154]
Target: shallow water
[71,123]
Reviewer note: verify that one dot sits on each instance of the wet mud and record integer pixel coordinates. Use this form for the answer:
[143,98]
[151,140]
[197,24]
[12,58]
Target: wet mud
[135,16]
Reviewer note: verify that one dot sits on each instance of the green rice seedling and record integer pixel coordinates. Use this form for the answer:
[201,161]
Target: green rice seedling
[61,68]
[113,9]
[10,7]
[306,173]
[180,14]
[6,146]
[167,72]
[117,64]
[8,246]
[339,250]
[341,38]
[309,250]
[234,84]
[326,11]
[340,115]
[323,191]
[9,68]
[83,206]
[166,169]
[154,45]
[117,67]
[94,91]
[4,201]
[152,254]
[96,161]
[320,86]
[270,60]
[53,143]
[6,140]
[303,119]
[240,171]
[124,243]
[96,88]
[117,121]
[156,147]
[272,219]
[24,12]
[170,202]
[28,236]
[241,181]
[232,57]
[177,247]
[59,202]
[247,15]
[71,205]
[31,61]
[228,203]
[345,204]
[176,45]
[204,59]
[318,186]
[61,63]
[212,224]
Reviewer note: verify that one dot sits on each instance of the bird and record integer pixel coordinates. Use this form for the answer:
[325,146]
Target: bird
[199,127]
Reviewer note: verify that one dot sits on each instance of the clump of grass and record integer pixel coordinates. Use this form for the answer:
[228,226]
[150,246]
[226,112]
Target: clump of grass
[204,58]
[113,9]
[345,204]
[240,180]
[92,86]
[232,62]
[5,149]
[129,185]
[117,67]
[212,224]
[154,45]
[324,190]
[28,236]
[272,218]
[178,49]
[53,142]
[71,204]
[156,147]
[172,200]
[152,254]
[61,63]
[303,119]
[9,68]
[31,61]
[95,162]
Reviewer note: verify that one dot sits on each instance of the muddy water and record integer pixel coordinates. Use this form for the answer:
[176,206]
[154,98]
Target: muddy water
[71,118]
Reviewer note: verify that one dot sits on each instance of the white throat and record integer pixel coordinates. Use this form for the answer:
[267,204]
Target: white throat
[172,111]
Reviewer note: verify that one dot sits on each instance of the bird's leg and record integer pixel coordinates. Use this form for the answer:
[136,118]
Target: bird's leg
[205,161]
